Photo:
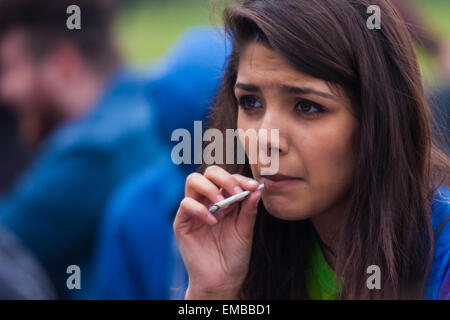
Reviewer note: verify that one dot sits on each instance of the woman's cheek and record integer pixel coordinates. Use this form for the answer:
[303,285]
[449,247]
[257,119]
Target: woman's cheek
[329,162]
[332,173]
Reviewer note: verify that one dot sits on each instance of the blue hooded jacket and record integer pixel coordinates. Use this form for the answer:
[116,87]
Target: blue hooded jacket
[137,256]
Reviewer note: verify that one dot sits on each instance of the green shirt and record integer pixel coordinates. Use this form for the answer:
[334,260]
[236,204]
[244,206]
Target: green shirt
[321,283]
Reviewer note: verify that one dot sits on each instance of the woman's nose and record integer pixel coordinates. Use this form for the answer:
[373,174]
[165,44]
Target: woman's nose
[271,134]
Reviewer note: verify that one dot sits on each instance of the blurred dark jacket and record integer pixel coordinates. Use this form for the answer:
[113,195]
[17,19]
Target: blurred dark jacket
[14,157]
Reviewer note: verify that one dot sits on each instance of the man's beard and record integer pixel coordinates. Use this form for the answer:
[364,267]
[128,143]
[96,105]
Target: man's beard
[38,122]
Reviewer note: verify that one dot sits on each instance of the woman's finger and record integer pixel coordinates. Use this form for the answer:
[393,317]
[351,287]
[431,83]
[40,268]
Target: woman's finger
[246,182]
[198,185]
[191,208]
[224,179]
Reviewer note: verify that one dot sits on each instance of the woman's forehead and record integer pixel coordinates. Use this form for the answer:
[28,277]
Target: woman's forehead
[263,67]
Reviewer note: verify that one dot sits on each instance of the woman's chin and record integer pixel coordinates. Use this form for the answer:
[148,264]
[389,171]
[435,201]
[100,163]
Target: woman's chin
[285,210]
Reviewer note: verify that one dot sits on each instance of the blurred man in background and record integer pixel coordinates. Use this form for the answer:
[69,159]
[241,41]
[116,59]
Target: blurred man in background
[89,118]
[51,74]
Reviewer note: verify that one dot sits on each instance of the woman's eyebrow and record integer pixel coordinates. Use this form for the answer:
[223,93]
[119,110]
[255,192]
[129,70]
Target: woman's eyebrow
[287,89]
[247,87]
[304,90]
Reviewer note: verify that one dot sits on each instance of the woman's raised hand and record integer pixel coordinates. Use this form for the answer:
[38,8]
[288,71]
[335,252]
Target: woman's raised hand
[216,252]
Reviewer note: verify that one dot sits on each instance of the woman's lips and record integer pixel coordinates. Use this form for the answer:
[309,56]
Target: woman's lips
[279,180]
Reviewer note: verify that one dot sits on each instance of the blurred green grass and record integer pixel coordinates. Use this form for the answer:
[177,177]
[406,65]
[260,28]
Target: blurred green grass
[437,13]
[147,28]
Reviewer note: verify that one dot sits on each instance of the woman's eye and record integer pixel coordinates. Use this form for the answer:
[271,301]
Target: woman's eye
[308,107]
[249,103]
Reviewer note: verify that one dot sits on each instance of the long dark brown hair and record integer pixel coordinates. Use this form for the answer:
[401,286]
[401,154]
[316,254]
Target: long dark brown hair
[399,166]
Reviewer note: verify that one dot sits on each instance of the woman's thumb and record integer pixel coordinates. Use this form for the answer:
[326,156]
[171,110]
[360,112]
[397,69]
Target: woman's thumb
[247,216]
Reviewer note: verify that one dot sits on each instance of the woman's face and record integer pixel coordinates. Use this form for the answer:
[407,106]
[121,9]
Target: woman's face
[316,134]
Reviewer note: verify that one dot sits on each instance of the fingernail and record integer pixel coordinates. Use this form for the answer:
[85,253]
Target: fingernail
[237,190]
[253,182]
[220,198]
[211,218]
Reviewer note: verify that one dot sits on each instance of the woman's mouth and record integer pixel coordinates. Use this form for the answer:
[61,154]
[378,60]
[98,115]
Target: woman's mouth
[280,180]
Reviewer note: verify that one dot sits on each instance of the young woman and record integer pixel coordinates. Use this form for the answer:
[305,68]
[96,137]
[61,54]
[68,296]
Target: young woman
[361,189]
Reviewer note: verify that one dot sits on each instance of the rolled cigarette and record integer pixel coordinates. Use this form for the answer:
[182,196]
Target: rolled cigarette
[231,200]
